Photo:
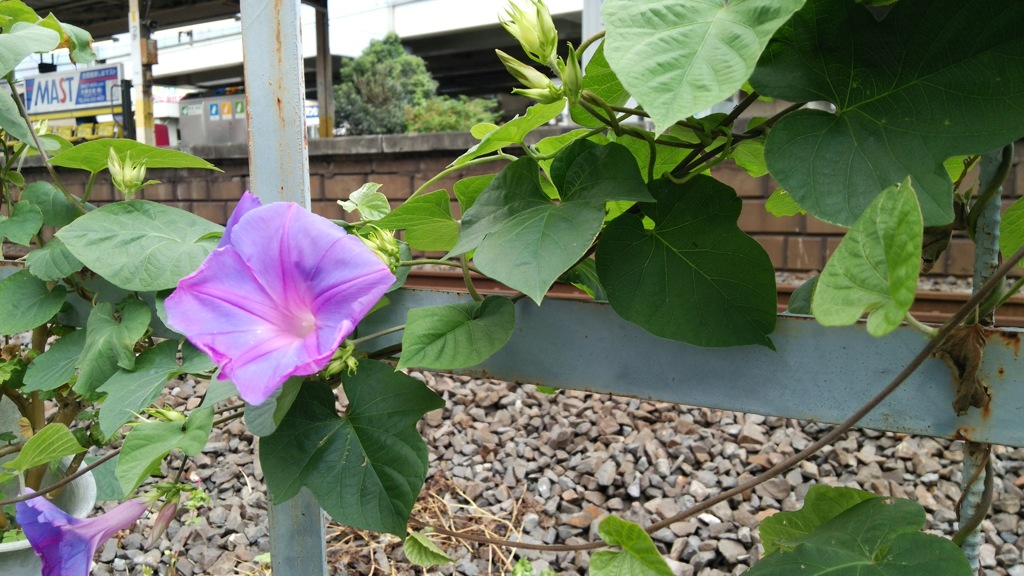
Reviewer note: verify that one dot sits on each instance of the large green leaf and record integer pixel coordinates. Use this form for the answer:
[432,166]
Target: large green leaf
[149,442]
[53,261]
[129,391]
[696,277]
[365,468]
[23,224]
[92,156]
[525,240]
[586,171]
[57,209]
[514,131]
[875,267]
[53,442]
[933,79]
[468,189]
[22,40]
[35,303]
[666,157]
[110,342]
[427,221]
[638,557]
[600,79]
[55,367]
[873,537]
[822,504]
[140,245]
[456,335]
[679,57]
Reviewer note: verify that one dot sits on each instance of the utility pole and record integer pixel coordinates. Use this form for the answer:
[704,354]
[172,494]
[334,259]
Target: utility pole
[143,59]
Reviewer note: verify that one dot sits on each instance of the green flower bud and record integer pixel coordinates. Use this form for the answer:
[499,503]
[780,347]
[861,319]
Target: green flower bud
[572,76]
[343,359]
[127,176]
[543,95]
[383,243]
[536,32]
[528,75]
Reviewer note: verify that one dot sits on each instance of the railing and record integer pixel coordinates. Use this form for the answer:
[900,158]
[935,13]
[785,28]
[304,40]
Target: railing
[816,373]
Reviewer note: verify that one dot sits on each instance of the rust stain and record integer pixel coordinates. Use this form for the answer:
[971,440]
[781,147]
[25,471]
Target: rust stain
[964,433]
[1010,339]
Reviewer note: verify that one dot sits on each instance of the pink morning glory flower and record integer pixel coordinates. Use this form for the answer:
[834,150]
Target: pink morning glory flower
[67,544]
[278,297]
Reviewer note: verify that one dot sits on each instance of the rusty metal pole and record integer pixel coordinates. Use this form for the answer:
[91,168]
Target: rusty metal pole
[279,171]
[986,261]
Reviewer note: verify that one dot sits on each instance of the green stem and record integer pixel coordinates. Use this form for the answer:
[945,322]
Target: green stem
[1009,293]
[920,326]
[429,261]
[449,170]
[368,337]
[88,186]
[42,152]
[586,43]
[993,187]
[468,280]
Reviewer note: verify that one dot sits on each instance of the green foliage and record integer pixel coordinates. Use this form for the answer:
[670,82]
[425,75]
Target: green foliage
[140,245]
[366,467]
[92,156]
[375,88]
[368,202]
[427,221]
[781,203]
[910,91]
[1011,229]
[53,261]
[875,267]
[56,366]
[678,57]
[638,555]
[512,132]
[110,337]
[51,443]
[456,335]
[839,535]
[23,224]
[821,504]
[36,303]
[421,551]
[264,419]
[149,442]
[449,114]
[696,277]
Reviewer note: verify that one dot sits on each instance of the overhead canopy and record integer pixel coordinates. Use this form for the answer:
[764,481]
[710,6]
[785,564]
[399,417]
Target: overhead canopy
[105,18]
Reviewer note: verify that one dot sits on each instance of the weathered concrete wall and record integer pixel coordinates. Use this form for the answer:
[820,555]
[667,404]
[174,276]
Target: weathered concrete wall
[401,164]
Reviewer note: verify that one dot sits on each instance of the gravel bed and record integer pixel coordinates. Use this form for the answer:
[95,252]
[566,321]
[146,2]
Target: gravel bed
[509,461]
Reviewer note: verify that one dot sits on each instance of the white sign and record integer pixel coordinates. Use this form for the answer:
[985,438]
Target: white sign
[80,89]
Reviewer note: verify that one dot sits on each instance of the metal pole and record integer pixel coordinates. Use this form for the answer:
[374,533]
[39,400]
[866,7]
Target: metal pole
[279,171]
[324,75]
[142,75]
[986,260]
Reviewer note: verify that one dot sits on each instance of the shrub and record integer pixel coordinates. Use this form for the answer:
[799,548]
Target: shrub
[448,114]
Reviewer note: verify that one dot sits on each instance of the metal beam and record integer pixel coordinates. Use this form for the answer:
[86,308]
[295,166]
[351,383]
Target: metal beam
[816,373]
[279,169]
[324,75]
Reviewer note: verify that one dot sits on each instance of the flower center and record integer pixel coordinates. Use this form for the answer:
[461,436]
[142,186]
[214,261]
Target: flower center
[303,322]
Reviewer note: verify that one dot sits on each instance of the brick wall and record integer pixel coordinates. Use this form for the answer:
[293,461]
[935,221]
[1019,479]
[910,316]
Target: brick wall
[403,163]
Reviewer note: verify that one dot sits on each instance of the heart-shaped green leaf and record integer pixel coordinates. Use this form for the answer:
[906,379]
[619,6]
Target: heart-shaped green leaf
[365,468]
[679,57]
[53,261]
[456,335]
[140,245]
[696,277]
[638,557]
[933,79]
[822,504]
[56,366]
[35,302]
[875,267]
[93,156]
[149,442]
[23,224]
[110,342]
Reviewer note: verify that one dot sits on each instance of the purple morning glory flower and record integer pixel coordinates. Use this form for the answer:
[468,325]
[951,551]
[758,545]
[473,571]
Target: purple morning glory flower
[67,544]
[279,295]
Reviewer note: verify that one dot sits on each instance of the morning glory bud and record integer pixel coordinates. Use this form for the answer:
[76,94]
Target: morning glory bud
[572,76]
[163,519]
[528,75]
[127,176]
[383,244]
[536,32]
[543,95]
